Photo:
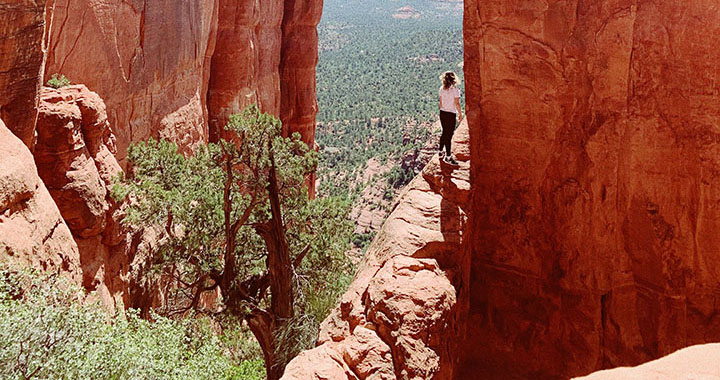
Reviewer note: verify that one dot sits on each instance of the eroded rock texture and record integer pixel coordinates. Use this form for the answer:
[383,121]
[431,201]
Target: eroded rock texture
[594,218]
[22,59]
[398,320]
[32,232]
[266,54]
[148,59]
[75,160]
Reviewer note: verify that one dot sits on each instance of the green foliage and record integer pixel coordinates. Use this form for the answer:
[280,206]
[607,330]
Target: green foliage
[48,333]
[363,241]
[399,176]
[251,370]
[199,201]
[377,83]
[58,81]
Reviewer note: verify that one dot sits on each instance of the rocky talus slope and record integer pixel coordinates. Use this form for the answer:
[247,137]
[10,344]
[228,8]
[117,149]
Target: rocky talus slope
[593,225]
[398,318]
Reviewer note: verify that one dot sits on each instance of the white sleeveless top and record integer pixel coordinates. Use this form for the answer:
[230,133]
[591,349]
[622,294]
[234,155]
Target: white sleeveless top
[448,99]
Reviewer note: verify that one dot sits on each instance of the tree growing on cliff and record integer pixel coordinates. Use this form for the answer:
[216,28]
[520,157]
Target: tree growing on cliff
[236,218]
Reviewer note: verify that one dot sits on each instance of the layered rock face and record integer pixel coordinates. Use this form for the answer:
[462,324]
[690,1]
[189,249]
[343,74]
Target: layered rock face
[149,61]
[593,225]
[398,320]
[32,232]
[266,54]
[22,59]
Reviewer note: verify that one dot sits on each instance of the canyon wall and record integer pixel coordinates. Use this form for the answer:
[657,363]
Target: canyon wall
[147,68]
[148,60]
[266,54]
[593,220]
[178,70]
[22,59]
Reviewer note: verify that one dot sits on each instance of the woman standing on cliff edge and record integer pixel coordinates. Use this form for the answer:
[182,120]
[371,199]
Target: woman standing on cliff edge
[449,110]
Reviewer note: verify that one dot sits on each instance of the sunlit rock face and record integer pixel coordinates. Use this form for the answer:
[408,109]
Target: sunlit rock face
[148,60]
[593,228]
[22,58]
[177,70]
[266,54]
[696,362]
[32,231]
[399,317]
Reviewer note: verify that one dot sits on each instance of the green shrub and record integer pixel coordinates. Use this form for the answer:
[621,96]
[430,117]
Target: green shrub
[47,333]
[58,81]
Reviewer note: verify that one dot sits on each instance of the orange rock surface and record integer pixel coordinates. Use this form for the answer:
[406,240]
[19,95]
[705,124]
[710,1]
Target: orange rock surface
[22,58]
[696,362]
[75,160]
[398,319]
[594,224]
[148,60]
[32,232]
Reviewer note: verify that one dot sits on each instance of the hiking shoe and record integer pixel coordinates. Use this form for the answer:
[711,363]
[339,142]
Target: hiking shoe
[450,160]
[441,154]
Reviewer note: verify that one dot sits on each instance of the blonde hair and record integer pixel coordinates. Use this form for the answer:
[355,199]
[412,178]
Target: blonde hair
[449,79]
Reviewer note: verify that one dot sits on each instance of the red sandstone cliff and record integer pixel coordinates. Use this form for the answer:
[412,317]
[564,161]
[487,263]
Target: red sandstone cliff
[594,218]
[149,61]
[266,54]
[178,71]
[22,59]
[398,319]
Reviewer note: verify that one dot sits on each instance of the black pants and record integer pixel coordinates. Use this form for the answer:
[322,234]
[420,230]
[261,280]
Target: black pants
[447,120]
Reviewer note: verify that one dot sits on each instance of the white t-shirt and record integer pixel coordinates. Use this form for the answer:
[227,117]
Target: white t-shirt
[448,99]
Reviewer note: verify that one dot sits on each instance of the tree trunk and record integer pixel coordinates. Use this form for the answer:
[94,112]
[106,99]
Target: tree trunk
[262,325]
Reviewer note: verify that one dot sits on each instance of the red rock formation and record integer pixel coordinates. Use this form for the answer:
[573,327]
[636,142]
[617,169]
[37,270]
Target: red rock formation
[266,54]
[75,160]
[149,61]
[246,60]
[398,318]
[299,57]
[32,232]
[696,362]
[593,222]
[22,58]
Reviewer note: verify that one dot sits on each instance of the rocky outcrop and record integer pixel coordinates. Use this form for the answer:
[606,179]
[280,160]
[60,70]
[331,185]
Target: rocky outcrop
[696,362]
[32,232]
[75,160]
[246,60]
[399,316]
[22,59]
[593,225]
[148,60]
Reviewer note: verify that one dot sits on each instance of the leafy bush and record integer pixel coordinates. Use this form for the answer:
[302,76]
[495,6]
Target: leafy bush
[48,333]
[58,81]
[237,218]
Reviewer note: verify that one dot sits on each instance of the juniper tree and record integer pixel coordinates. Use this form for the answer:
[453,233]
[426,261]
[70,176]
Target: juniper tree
[236,218]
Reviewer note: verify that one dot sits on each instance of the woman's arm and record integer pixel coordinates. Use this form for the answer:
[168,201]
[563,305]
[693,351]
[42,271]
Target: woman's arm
[440,100]
[459,109]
